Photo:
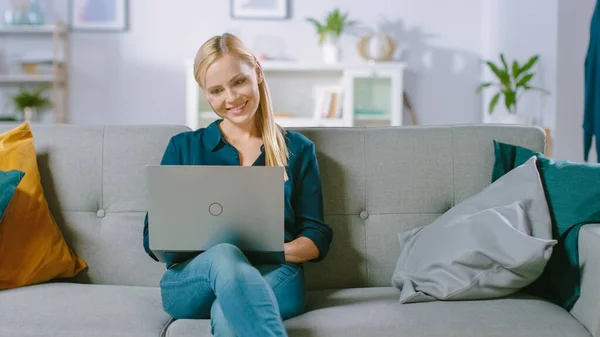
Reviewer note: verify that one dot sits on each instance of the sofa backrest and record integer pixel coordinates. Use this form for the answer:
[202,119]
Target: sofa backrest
[377,182]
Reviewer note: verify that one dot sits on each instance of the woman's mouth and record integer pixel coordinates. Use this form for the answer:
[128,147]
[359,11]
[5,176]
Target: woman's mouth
[237,109]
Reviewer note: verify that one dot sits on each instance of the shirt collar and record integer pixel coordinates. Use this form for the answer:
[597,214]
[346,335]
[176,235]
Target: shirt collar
[214,137]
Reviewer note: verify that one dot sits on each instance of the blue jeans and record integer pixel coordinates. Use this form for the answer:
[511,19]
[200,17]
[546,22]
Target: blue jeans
[239,298]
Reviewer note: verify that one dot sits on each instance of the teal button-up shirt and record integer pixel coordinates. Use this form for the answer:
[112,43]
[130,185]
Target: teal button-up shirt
[303,192]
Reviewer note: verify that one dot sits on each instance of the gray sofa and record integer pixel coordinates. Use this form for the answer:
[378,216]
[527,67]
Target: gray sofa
[377,182]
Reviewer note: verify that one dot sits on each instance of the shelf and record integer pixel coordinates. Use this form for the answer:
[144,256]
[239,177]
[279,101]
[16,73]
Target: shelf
[22,78]
[30,29]
[288,122]
[268,65]
[365,86]
[299,122]
[366,117]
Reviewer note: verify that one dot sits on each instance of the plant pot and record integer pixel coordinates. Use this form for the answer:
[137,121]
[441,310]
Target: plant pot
[331,53]
[29,114]
[511,118]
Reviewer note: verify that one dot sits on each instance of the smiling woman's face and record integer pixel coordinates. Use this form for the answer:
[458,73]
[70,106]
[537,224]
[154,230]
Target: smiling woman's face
[231,86]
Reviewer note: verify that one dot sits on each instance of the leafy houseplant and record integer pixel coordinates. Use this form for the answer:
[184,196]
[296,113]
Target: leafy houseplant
[513,82]
[30,101]
[330,31]
[335,24]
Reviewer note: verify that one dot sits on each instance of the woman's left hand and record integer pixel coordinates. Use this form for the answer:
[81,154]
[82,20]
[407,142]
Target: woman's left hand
[300,250]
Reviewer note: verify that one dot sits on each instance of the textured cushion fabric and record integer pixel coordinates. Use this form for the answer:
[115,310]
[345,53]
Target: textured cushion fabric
[376,312]
[381,181]
[75,310]
[94,181]
[32,246]
[8,185]
[490,245]
[587,307]
[572,190]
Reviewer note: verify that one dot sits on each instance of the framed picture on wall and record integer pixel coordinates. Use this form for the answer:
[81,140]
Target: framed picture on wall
[98,15]
[260,9]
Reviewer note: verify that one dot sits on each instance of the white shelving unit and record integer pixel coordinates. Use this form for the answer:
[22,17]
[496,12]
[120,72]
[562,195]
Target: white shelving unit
[57,78]
[375,88]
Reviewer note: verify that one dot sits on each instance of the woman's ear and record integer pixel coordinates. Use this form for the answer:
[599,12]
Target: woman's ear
[259,73]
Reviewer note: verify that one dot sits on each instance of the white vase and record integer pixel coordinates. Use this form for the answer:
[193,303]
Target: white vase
[331,53]
[511,118]
[29,114]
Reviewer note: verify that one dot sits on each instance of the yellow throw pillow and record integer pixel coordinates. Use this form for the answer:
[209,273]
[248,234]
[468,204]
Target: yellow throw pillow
[32,247]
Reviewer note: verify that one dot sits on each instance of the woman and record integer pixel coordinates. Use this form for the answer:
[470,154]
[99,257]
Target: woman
[245,297]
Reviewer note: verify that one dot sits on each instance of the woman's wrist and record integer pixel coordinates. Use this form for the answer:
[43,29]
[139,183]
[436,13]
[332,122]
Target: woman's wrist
[300,250]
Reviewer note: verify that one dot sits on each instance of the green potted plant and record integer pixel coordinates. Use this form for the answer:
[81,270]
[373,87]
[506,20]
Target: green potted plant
[511,83]
[29,103]
[329,33]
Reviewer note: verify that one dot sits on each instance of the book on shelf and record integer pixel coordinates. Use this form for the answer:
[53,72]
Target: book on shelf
[328,102]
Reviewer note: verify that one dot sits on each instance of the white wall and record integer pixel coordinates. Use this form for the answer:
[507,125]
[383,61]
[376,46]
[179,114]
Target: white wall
[137,76]
[521,29]
[573,38]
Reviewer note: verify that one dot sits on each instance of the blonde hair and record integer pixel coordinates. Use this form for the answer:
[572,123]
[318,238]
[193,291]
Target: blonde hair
[276,151]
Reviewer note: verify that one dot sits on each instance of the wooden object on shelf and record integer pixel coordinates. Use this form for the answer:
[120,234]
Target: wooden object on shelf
[411,111]
[385,42]
[548,142]
[58,78]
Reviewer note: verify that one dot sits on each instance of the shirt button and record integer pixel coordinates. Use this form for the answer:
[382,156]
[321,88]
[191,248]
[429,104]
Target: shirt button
[101,213]
[364,215]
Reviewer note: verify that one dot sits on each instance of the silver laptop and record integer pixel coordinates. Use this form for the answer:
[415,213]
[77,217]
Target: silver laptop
[192,208]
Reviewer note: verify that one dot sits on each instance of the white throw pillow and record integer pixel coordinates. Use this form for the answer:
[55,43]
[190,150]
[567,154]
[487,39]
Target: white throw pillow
[490,245]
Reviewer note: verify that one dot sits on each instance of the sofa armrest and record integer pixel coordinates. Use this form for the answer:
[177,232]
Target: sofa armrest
[587,308]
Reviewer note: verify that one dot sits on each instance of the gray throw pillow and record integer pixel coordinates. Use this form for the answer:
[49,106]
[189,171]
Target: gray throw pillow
[490,245]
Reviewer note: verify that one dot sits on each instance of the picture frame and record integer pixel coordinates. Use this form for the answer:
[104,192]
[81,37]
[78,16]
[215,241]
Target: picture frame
[99,15]
[259,9]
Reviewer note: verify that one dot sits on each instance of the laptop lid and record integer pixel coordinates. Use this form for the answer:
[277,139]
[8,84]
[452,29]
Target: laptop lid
[192,208]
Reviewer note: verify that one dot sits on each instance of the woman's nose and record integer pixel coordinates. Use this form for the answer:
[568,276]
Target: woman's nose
[231,96]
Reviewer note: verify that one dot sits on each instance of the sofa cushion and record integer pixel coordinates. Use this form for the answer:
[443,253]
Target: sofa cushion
[78,310]
[490,245]
[572,192]
[8,186]
[377,312]
[33,247]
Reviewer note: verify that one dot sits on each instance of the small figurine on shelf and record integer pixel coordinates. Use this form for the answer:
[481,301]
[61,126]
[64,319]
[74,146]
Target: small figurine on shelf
[24,12]
[15,13]
[35,15]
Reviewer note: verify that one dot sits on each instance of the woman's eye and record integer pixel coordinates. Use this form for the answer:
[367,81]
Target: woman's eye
[240,81]
[216,91]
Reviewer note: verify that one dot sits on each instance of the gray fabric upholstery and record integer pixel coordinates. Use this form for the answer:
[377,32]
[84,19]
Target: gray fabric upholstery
[377,312]
[587,308]
[488,246]
[94,182]
[377,182]
[76,310]
[400,178]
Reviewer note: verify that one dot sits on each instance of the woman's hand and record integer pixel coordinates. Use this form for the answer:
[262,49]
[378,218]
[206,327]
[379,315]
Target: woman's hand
[300,250]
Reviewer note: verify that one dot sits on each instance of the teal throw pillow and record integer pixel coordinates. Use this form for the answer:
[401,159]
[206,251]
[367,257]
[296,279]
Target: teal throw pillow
[8,185]
[573,194]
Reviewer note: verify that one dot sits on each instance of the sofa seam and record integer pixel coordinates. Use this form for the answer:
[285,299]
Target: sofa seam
[453,167]
[364,135]
[102,168]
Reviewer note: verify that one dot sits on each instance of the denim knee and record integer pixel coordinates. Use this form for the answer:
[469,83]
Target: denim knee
[229,262]
[227,251]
